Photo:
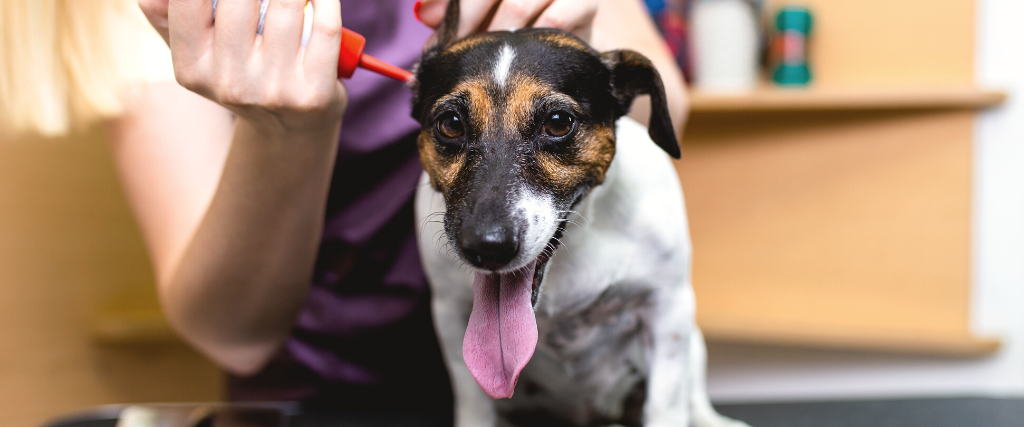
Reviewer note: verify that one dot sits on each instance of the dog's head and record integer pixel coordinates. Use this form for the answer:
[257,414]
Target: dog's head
[517,127]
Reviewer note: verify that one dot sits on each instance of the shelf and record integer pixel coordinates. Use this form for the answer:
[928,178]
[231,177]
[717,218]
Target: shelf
[836,99]
[132,327]
[905,342]
[149,328]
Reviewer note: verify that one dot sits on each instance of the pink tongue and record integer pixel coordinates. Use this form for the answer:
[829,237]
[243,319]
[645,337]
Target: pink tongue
[502,332]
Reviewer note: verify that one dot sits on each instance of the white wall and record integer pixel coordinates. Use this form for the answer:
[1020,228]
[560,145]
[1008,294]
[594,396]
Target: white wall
[743,373]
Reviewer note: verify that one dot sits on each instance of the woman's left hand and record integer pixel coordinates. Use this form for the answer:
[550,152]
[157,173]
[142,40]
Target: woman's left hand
[574,16]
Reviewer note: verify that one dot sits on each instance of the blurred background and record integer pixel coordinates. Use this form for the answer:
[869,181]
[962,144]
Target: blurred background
[857,218]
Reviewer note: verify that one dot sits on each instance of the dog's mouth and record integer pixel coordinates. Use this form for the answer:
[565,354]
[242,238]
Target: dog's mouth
[502,331]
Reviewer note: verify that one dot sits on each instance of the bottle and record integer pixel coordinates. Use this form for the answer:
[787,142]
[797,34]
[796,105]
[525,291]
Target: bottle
[726,38]
[790,46]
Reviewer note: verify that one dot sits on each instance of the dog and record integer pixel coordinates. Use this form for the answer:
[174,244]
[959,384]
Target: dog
[553,234]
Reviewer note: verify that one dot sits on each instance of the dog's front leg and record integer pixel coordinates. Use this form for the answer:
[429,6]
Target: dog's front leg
[668,382]
[473,408]
[704,415]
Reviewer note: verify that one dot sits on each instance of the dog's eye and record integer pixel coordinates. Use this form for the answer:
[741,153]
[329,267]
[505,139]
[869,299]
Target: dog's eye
[450,125]
[558,124]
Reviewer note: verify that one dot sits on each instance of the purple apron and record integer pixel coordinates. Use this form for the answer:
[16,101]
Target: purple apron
[364,340]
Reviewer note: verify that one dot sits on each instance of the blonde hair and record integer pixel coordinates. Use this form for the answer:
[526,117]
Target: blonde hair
[67,63]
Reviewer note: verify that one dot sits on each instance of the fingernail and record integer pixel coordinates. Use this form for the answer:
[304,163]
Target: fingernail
[416,10]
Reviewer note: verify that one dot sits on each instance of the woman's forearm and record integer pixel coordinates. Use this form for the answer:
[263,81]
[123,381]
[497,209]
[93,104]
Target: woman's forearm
[235,268]
[238,285]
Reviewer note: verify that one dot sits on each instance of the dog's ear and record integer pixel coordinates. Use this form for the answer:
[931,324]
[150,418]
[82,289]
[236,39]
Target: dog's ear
[633,74]
[448,32]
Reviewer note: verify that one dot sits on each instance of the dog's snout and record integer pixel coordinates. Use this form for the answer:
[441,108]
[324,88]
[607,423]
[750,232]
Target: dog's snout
[490,247]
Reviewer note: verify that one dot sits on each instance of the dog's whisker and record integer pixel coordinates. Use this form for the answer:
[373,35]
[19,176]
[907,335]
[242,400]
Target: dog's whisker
[423,227]
[426,218]
[577,213]
[585,227]
[438,236]
[567,251]
[577,226]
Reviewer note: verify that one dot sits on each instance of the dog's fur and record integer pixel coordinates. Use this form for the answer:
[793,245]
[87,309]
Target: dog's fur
[616,341]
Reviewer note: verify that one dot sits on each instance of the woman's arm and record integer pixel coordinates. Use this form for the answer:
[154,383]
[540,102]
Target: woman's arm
[231,218]
[232,209]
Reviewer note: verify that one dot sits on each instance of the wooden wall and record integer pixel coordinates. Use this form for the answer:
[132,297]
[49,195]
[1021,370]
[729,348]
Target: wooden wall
[848,229]
[892,42]
[69,248]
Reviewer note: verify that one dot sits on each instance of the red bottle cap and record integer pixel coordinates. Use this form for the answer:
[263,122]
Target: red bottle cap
[351,56]
[352,44]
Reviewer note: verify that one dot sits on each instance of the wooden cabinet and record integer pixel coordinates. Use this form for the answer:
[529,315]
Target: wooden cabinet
[840,215]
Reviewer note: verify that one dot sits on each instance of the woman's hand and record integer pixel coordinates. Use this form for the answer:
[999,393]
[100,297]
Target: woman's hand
[574,16]
[269,80]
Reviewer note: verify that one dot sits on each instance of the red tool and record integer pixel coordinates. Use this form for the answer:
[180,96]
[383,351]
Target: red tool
[352,56]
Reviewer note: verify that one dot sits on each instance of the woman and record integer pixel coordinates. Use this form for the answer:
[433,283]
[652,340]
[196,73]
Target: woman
[277,204]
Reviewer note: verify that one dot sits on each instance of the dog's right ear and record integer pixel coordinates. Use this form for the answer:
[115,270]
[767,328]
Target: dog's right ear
[448,32]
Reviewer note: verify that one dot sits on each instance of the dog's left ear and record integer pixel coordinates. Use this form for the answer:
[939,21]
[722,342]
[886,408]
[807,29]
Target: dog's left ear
[633,74]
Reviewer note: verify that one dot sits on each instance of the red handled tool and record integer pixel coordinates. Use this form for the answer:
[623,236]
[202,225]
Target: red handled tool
[352,56]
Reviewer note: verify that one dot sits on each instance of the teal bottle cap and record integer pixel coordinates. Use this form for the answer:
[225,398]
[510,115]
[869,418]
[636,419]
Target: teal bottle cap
[796,18]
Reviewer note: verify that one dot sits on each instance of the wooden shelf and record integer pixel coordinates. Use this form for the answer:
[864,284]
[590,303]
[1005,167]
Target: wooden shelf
[839,99]
[810,336]
[148,328]
[131,328]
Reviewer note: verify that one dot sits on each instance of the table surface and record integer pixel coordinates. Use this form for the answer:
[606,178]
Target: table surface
[928,412]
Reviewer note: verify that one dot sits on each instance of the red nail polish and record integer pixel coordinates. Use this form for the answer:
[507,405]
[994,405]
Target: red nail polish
[416,10]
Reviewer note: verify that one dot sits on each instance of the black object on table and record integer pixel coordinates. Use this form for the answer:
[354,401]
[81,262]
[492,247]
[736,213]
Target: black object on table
[926,412]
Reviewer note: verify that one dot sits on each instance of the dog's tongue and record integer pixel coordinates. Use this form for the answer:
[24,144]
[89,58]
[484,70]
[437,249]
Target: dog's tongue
[502,332]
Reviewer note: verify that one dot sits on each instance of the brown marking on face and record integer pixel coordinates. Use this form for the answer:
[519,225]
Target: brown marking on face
[564,40]
[468,43]
[481,106]
[519,106]
[593,146]
[595,149]
[442,169]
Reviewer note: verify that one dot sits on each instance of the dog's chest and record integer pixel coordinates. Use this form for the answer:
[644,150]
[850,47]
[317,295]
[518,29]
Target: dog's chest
[589,366]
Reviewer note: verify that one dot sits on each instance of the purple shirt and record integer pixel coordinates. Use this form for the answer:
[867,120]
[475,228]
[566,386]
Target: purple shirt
[364,340]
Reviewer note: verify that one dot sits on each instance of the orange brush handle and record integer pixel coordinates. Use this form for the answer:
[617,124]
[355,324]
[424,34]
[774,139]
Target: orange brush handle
[351,56]
[380,67]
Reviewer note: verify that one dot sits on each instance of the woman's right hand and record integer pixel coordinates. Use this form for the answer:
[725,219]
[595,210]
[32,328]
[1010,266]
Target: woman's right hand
[269,80]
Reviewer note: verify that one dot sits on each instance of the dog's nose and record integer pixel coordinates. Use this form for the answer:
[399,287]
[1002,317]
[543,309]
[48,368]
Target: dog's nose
[490,247]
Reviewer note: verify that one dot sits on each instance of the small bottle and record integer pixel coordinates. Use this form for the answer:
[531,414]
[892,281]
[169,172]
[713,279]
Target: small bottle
[726,37]
[790,46]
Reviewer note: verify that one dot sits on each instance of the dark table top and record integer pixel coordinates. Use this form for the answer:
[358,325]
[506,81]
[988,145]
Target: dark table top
[926,412]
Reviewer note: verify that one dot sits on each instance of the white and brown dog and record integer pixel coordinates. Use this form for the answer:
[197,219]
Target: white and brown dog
[523,135]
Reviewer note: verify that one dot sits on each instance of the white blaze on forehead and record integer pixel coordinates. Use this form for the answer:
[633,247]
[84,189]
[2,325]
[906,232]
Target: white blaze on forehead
[503,67]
